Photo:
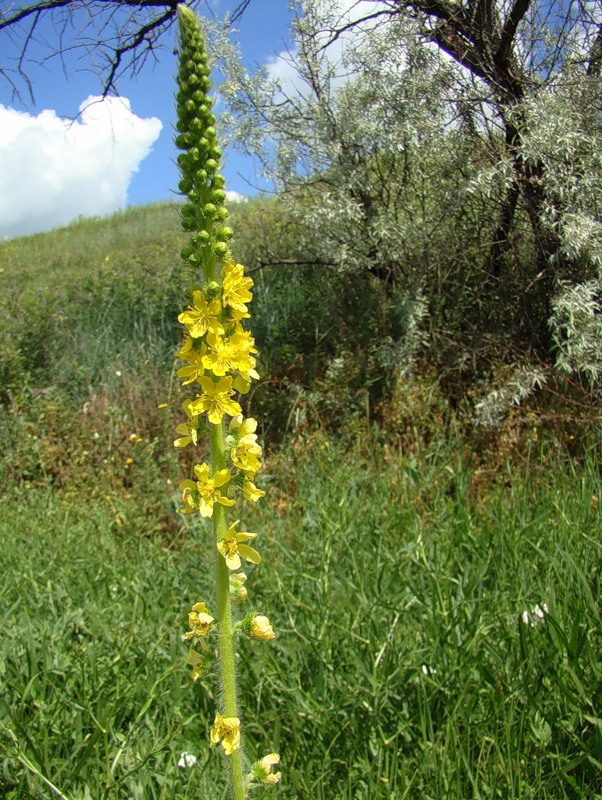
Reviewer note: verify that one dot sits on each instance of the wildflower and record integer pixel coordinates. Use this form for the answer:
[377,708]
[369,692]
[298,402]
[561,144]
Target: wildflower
[201,317]
[163,405]
[232,354]
[199,621]
[233,546]
[261,627]
[251,492]
[189,431]
[187,761]
[236,287]
[237,588]
[199,663]
[216,400]
[246,457]
[535,616]
[195,369]
[227,731]
[242,441]
[206,491]
[261,771]
[242,383]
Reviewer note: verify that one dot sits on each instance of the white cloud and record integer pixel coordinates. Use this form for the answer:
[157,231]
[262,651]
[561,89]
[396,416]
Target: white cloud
[53,170]
[235,197]
[282,66]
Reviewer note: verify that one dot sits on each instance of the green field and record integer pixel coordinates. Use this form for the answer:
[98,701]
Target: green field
[407,572]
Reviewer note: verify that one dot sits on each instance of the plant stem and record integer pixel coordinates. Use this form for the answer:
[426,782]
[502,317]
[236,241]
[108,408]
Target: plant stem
[224,615]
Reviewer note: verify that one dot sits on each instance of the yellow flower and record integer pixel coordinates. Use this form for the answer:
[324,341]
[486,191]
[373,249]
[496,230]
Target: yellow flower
[246,457]
[242,443]
[199,662]
[201,317]
[233,546]
[199,621]
[216,400]
[261,771]
[227,731]
[187,351]
[195,369]
[189,431]
[242,383]
[203,494]
[209,487]
[236,287]
[251,492]
[261,628]
[190,496]
[232,354]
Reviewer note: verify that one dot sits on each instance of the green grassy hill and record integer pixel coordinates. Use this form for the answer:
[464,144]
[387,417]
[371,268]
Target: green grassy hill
[438,612]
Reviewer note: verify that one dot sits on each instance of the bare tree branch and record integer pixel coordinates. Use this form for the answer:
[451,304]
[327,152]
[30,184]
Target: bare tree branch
[50,5]
[239,11]
[123,32]
[519,9]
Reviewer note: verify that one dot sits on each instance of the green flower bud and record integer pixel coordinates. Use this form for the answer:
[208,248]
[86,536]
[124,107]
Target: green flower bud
[200,239]
[212,290]
[220,250]
[224,233]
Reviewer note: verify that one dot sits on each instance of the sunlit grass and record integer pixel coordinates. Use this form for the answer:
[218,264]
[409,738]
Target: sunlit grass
[402,666]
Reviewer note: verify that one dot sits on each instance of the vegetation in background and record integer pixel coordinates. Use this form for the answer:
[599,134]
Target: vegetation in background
[452,151]
[422,571]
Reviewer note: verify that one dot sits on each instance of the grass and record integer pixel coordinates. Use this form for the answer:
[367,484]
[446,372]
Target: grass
[402,667]
[396,569]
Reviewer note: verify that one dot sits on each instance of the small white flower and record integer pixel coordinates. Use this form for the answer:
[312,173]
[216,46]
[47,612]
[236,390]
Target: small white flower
[118,373]
[535,616]
[428,670]
[114,591]
[187,761]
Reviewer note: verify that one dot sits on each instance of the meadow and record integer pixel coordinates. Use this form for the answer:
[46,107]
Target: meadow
[437,595]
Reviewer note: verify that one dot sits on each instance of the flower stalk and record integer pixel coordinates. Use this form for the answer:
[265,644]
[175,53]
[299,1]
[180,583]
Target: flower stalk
[219,364]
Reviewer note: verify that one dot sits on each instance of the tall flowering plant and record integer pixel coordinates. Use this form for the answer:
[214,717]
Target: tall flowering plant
[218,353]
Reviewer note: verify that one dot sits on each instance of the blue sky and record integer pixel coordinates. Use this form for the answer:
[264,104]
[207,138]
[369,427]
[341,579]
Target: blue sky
[262,32]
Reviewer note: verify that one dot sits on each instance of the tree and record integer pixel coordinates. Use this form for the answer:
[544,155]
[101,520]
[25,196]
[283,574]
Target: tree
[117,37]
[511,89]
